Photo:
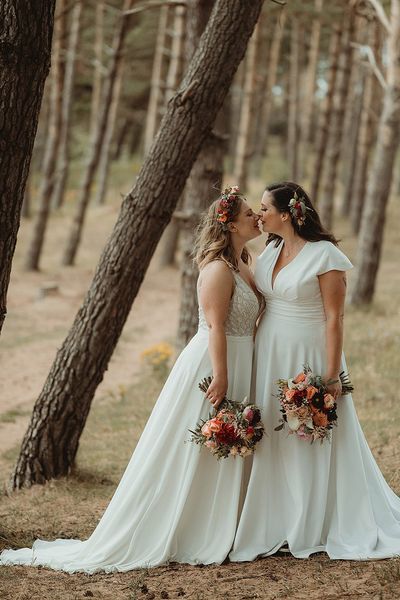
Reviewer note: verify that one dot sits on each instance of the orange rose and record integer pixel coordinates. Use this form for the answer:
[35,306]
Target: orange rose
[289,394]
[311,391]
[215,425]
[205,430]
[320,419]
[300,377]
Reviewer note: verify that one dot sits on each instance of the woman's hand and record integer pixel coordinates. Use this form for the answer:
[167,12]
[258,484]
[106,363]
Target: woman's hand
[217,390]
[335,389]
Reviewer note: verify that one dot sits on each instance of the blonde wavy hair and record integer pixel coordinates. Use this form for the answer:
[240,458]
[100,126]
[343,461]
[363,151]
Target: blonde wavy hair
[213,240]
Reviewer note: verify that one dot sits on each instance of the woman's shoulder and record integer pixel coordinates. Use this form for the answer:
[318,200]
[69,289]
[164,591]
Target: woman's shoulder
[328,257]
[216,270]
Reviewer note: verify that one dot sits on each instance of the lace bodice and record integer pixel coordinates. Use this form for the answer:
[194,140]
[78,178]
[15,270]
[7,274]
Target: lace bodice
[243,310]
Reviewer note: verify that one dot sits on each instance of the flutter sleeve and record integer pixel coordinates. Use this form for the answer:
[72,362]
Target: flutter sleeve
[332,259]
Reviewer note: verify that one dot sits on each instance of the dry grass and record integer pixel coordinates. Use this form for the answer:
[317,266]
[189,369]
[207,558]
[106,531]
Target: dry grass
[71,507]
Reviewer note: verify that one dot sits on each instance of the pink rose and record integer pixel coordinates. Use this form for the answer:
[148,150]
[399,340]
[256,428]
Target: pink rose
[248,414]
[205,430]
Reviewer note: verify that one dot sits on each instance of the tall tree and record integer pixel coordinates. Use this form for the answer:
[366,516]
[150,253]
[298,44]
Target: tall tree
[327,199]
[68,92]
[53,141]
[368,128]
[98,137]
[206,174]
[99,67]
[311,74]
[272,72]
[293,137]
[380,180]
[26,30]
[242,154]
[51,441]
[326,114]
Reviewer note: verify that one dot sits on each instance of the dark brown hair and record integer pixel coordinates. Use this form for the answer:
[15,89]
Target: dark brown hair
[312,229]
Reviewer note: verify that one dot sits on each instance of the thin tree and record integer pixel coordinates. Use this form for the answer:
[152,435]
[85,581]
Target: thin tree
[99,68]
[325,118]
[244,129]
[67,98]
[379,183]
[311,75]
[293,133]
[59,415]
[156,91]
[272,71]
[98,138]
[327,199]
[368,129]
[26,31]
[169,242]
[53,140]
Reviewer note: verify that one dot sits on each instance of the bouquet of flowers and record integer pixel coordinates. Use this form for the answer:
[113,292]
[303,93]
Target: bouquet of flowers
[306,406]
[233,430]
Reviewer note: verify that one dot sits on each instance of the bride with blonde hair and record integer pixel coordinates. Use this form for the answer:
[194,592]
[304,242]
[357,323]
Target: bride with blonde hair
[174,501]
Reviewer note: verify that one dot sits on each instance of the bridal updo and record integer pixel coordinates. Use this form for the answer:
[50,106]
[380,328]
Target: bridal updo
[213,238]
[311,229]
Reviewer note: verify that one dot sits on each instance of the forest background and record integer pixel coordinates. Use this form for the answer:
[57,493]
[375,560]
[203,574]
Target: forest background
[316,100]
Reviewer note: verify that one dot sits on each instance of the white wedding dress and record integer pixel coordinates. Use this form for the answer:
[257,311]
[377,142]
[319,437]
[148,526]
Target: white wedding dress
[175,501]
[330,497]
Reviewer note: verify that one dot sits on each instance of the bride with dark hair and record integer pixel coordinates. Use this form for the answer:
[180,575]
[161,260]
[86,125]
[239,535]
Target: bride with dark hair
[327,497]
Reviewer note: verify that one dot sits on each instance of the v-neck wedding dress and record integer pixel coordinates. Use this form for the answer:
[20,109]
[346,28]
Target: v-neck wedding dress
[330,497]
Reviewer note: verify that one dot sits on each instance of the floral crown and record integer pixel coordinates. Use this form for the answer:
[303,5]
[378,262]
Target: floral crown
[298,209]
[227,204]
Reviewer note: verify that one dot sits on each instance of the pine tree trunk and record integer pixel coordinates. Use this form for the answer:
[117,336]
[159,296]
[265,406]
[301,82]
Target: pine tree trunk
[200,190]
[25,34]
[327,200]
[368,128]
[98,65]
[352,143]
[53,141]
[312,63]
[324,126]
[105,155]
[63,154]
[124,129]
[293,136]
[380,180]
[170,239]
[242,145]
[97,140]
[272,71]
[156,95]
[51,441]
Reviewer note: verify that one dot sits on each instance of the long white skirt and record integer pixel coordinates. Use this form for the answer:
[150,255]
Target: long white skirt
[330,497]
[174,502]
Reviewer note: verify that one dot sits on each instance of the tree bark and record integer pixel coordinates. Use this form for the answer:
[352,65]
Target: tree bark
[25,44]
[105,155]
[51,442]
[368,127]
[63,152]
[242,145]
[272,71]
[98,139]
[323,132]
[53,142]
[155,100]
[327,200]
[206,174]
[170,239]
[312,63]
[379,184]
[293,136]
[98,65]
